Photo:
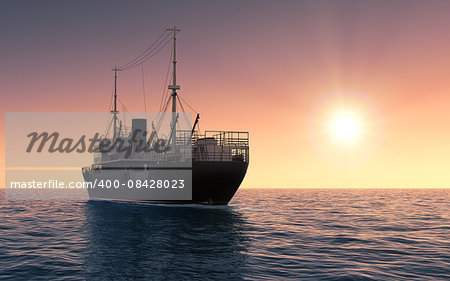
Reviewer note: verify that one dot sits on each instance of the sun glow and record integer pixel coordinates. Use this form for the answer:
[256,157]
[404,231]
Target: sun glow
[345,128]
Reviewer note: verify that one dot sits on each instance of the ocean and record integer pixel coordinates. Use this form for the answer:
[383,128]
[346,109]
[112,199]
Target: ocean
[264,234]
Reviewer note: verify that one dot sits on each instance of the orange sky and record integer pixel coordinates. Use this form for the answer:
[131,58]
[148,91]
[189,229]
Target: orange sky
[275,68]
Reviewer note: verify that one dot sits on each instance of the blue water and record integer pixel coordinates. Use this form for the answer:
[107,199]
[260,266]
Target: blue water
[272,234]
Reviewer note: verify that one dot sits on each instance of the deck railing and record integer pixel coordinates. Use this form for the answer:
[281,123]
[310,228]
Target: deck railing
[221,146]
[209,146]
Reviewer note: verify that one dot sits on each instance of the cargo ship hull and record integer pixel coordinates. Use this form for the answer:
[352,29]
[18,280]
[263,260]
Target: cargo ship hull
[213,183]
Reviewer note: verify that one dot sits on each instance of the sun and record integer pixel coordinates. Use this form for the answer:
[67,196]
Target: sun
[345,127]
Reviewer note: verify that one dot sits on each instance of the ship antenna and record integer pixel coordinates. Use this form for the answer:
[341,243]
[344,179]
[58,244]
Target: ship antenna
[174,87]
[115,112]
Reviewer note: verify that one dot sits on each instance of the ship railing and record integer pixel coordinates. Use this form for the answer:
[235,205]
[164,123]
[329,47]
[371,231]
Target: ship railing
[183,137]
[209,146]
[181,153]
[221,146]
[224,137]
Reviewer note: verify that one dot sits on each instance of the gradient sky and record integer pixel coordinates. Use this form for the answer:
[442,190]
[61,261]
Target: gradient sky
[278,69]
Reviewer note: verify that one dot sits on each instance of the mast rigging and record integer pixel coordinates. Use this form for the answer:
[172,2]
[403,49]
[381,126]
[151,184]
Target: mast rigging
[174,87]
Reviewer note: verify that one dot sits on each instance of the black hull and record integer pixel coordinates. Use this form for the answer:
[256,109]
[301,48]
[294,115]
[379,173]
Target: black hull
[213,183]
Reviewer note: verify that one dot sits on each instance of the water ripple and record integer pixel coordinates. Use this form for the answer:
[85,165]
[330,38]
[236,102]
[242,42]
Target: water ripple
[271,234]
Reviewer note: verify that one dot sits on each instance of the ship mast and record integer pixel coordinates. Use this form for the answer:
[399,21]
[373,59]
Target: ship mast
[174,87]
[115,112]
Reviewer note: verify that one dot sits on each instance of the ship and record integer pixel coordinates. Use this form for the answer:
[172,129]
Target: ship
[187,167]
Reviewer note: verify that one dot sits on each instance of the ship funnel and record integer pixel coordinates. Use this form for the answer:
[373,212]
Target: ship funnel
[139,129]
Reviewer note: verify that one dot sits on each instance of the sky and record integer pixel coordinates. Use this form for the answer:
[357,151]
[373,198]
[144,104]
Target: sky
[282,70]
